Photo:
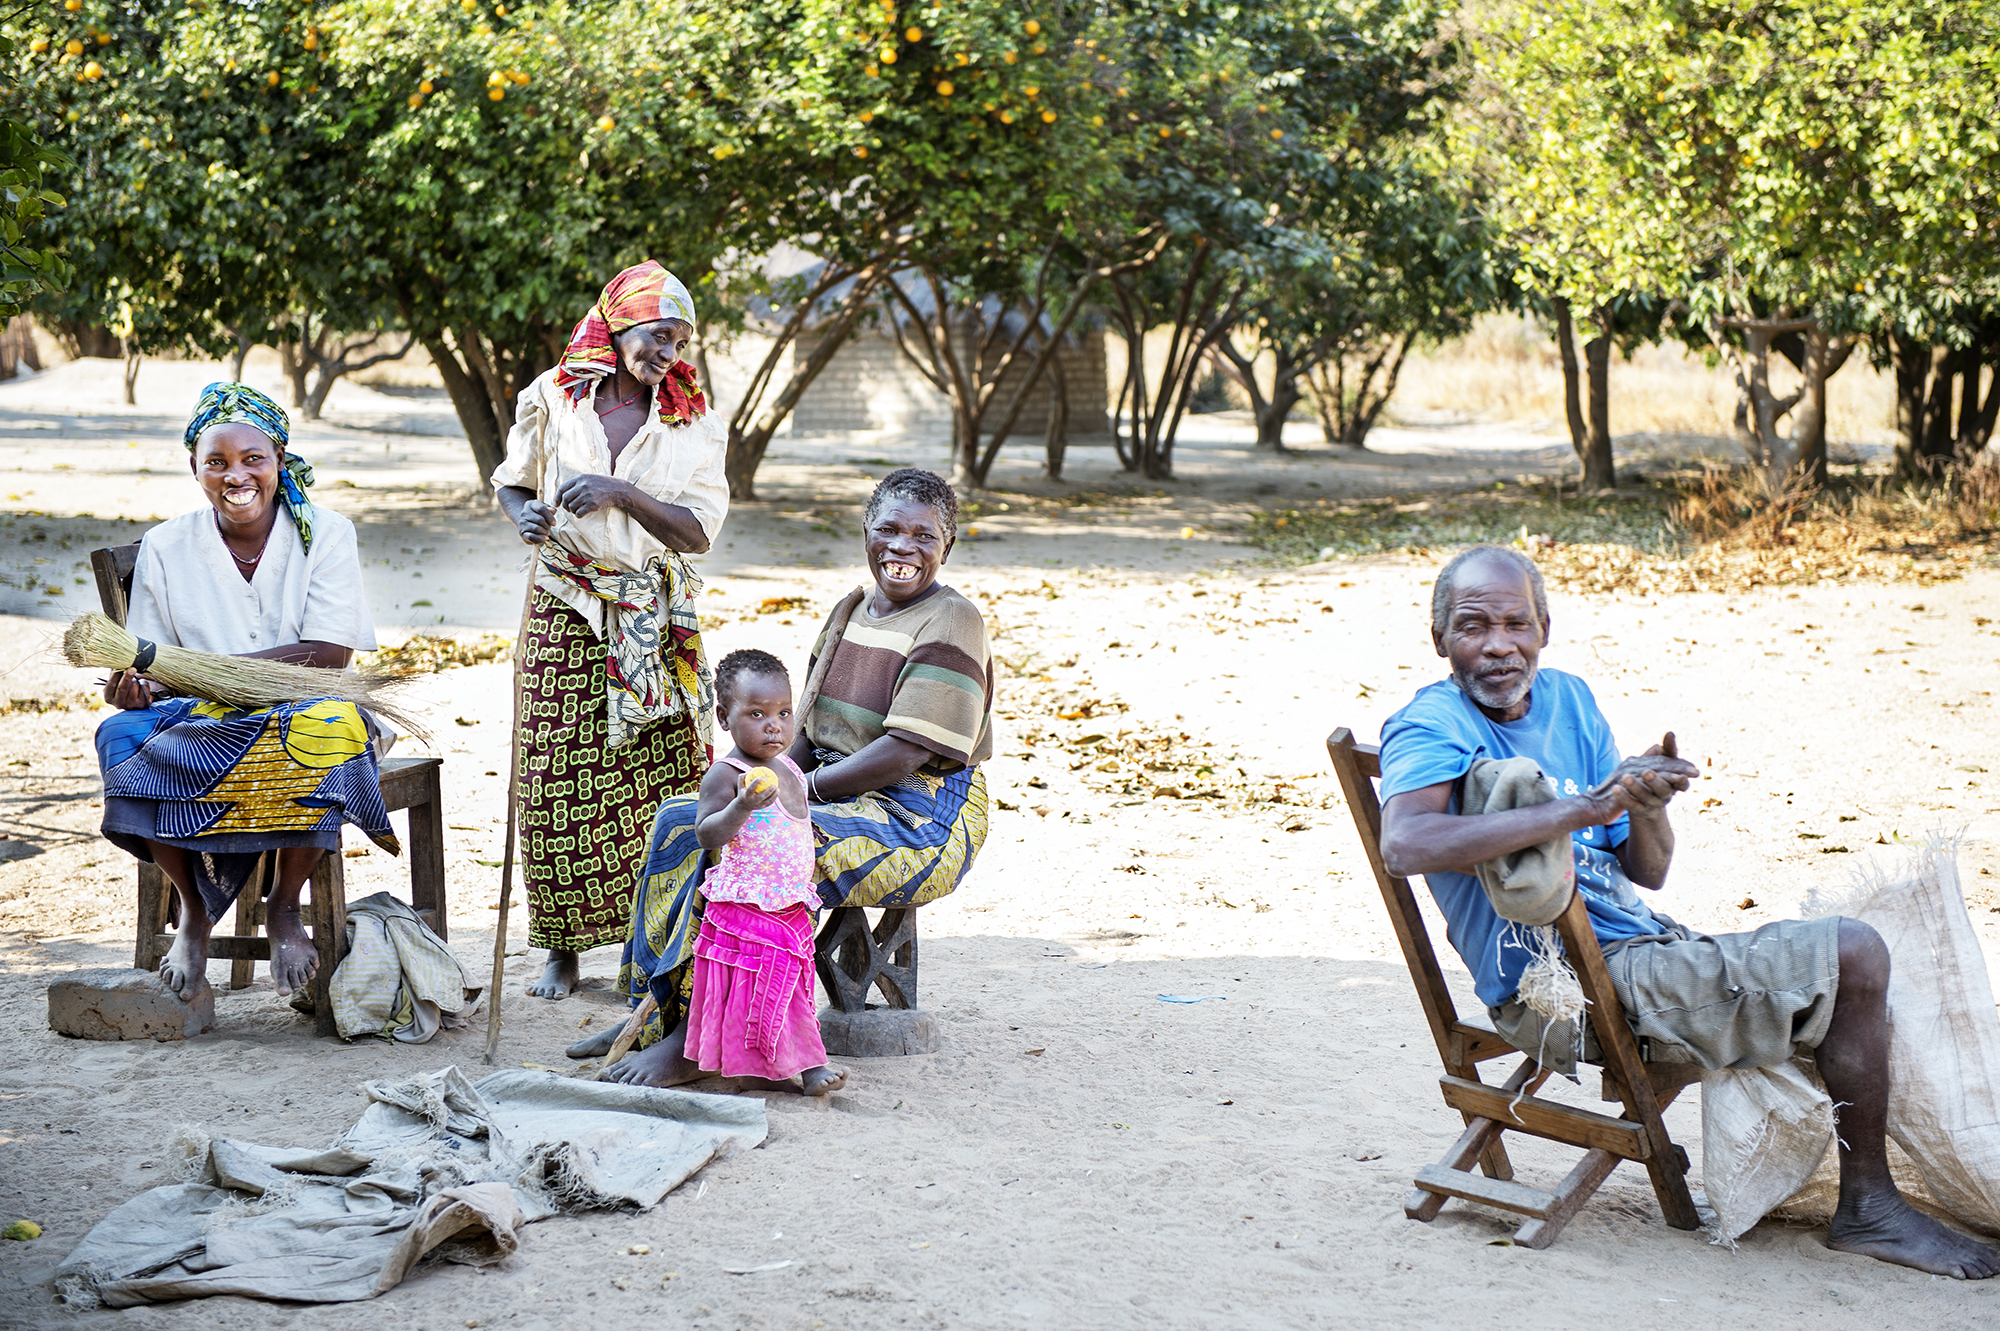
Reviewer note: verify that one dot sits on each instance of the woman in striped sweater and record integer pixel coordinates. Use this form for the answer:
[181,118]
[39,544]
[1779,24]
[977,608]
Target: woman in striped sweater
[897,715]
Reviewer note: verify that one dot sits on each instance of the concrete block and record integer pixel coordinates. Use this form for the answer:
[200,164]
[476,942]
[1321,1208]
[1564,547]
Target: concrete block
[880,1032]
[118,1003]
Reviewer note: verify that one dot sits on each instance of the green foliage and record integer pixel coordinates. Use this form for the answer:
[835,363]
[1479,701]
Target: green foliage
[29,266]
[1809,152]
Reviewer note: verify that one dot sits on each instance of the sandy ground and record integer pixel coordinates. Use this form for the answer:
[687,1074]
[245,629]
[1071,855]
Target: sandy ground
[1080,1153]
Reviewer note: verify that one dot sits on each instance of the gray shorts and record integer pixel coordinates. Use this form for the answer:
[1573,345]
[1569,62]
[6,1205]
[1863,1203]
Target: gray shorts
[1730,1001]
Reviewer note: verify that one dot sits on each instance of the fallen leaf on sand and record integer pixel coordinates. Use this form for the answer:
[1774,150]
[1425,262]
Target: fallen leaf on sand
[1036,1052]
[753,1270]
[916,1247]
[638,1250]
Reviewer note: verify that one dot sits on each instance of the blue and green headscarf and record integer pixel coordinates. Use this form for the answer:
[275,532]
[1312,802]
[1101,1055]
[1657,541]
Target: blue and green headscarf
[240,404]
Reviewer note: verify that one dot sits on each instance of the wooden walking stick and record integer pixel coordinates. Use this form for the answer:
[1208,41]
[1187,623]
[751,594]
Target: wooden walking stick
[513,793]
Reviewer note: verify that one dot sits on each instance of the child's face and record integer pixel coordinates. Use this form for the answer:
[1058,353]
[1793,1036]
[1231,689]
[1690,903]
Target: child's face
[759,715]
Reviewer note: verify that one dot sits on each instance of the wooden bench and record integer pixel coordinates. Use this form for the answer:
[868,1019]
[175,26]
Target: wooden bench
[1643,1089]
[414,784]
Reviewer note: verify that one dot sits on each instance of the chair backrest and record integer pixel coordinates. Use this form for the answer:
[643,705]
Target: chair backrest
[113,567]
[1461,1044]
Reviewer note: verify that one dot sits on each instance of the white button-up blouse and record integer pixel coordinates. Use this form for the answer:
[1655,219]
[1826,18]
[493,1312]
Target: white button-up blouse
[186,589]
[554,441]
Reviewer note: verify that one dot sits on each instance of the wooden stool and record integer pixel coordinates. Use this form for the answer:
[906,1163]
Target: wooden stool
[852,959]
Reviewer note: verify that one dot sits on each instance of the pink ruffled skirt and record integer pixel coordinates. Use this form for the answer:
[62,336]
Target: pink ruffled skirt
[751,1011]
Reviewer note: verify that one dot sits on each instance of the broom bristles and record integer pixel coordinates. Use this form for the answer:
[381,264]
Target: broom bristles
[235,681]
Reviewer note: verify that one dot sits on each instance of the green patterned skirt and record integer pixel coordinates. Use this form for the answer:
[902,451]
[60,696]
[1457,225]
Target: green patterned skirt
[584,810]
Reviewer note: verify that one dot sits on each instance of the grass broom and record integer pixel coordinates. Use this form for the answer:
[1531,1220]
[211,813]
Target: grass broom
[235,681]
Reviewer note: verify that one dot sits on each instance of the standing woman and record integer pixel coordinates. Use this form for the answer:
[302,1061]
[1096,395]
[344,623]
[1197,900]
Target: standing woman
[614,471]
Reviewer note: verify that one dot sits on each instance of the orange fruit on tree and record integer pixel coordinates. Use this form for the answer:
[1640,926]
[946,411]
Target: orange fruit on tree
[72,5]
[1277,134]
[312,40]
[416,100]
[1048,117]
[1031,27]
[495,93]
[73,46]
[272,78]
[945,88]
[606,123]
[104,39]
[93,70]
[913,34]
[39,45]
[425,87]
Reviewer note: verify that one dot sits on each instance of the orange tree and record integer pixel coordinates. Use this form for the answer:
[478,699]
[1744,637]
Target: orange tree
[196,192]
[952,142]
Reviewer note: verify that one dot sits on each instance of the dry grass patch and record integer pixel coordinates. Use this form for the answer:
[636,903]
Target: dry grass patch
[1713,530]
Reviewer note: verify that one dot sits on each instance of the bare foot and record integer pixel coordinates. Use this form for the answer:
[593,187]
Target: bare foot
[1889,1229]
[823,1080]
[185,967]
[664,1063]
[559,977]
[598,1045]
[294,959]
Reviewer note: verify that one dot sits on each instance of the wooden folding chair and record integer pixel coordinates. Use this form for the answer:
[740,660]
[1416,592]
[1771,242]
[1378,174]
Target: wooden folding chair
[407,783]
[1512,1106]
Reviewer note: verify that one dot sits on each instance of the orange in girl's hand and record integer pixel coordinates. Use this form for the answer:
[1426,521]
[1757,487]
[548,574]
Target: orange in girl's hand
[758,780]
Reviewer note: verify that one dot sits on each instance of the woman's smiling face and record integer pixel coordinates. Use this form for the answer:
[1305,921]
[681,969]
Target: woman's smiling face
[906,546]
[237,466]
[648,351]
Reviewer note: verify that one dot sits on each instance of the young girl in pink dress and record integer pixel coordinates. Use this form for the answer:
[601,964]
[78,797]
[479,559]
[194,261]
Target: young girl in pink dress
[751,1011]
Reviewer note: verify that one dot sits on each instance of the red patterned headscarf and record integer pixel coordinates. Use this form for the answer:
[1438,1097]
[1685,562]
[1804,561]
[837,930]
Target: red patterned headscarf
[642,294]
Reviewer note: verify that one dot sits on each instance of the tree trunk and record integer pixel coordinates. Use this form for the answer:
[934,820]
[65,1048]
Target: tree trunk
[1911,360]
[1572,402]
[291,355]
[749,442]
[1598,471]
[1056,442]
[474,408]
[1823,356]
[1271,419]
[323,382]
[236,361]
[132,380]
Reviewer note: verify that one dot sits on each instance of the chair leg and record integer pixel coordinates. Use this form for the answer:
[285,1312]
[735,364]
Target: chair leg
[329,934]
[426,852]
[1575,1189]
[154,886]
[250,916]
[1479,1142]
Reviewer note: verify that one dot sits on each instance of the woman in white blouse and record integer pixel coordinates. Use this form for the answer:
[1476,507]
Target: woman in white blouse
[614,472]
[203,790]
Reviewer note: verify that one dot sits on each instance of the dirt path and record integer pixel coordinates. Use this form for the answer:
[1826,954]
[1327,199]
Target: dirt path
[1080,1153]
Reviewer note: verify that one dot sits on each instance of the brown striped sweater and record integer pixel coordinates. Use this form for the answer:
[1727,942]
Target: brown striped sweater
[923,674]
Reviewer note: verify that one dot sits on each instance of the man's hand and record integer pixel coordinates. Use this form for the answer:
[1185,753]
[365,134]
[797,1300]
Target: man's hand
[1644,785]
[582,495]
[533,519]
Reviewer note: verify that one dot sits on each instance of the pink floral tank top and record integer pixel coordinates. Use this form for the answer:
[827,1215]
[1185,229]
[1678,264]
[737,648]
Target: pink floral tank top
[769,864]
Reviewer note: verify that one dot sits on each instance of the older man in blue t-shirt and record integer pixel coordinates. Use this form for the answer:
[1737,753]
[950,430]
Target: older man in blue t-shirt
[1731,1001]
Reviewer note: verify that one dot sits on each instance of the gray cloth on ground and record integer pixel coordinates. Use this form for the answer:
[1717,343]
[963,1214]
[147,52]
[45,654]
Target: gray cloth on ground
[1530,886]
[435,1167]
